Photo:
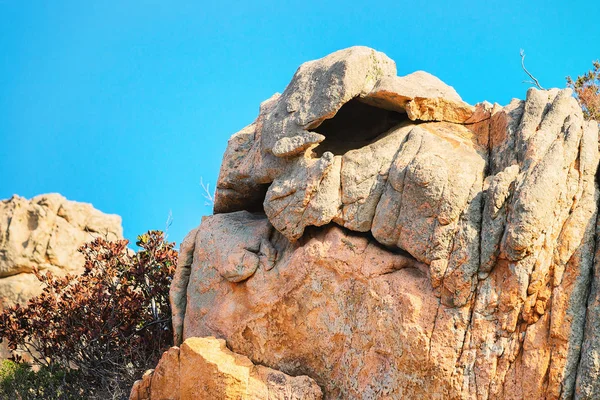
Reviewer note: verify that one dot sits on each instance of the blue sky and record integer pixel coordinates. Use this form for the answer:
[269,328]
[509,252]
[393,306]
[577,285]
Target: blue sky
[127,104]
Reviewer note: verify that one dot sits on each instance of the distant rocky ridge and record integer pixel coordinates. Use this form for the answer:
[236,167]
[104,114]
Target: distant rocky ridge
[45,232]
[388,240]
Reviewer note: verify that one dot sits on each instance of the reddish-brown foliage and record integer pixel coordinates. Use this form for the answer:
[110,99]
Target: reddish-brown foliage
[587,91]
[112,320]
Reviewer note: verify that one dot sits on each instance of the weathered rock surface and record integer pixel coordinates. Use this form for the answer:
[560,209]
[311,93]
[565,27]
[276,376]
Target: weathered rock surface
[45,232]
[204,368]
[390,241]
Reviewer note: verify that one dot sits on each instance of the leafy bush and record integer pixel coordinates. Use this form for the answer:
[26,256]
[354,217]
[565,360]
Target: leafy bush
[108,324]
[587,91]
[20,381]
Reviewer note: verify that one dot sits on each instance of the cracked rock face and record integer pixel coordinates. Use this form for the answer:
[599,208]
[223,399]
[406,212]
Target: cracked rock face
[383,237]
[45,232]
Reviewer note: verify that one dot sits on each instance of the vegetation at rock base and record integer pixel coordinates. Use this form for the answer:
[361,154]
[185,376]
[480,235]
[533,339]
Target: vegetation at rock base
[97,332]
[587,91]
[20,381]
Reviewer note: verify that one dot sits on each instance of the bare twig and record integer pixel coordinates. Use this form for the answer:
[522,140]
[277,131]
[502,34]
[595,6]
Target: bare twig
[534,80]
[210,198]
[168,224]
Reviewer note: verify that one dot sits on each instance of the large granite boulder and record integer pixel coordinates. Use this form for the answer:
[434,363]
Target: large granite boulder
[390,241]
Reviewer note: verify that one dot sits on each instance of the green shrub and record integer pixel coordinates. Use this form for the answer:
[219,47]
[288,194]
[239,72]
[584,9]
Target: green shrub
[20,381]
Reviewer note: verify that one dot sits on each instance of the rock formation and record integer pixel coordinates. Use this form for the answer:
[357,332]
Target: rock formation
[203,368]
[45,232]
[390,241]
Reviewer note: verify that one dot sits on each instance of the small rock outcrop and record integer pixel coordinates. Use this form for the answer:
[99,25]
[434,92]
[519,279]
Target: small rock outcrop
[45,232]
[385,238]
[204,368]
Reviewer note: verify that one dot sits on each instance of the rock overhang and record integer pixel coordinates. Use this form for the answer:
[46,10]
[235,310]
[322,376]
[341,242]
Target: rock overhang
[322,151]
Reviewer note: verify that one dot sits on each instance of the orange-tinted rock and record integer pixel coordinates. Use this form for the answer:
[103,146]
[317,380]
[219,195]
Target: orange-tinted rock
[141,388]
[166,377]
[203,368]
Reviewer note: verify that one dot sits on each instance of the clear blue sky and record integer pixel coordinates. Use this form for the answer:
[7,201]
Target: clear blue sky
[126,104]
